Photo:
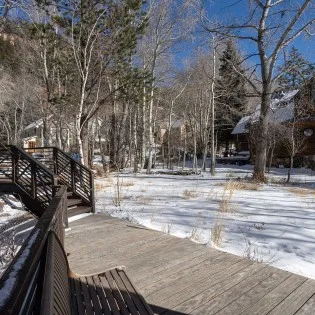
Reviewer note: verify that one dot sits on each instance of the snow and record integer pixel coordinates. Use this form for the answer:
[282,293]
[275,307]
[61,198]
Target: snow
[15,225]
[78,217]
[272,223]
[6,290]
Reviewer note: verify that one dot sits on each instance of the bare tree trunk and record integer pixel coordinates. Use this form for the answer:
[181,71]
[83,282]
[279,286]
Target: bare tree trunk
[261,141]
[290,168]
[144,129]
[292,153]
[169,130]
[185,147]
[151,138]
[135,141]
[213,153]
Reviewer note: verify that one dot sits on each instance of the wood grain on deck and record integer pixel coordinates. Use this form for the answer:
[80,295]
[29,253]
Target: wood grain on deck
[177,276]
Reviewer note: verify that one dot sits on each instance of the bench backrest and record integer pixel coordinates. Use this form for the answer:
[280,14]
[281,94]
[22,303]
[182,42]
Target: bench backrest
[23,282]
[56,292]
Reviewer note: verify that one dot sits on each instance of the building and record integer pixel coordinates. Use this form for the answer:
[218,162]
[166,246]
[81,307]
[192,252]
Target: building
[294,108]
[33,134]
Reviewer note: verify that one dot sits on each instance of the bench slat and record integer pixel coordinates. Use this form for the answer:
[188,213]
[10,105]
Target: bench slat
[137,298]
[93,292]
[124,292]
[74,305]
[101,296]
[79,297]
[86,296]
[117,294]
[109,295]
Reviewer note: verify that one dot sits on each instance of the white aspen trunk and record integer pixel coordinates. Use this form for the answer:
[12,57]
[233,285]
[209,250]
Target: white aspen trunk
[185,146]
[213,153]
[15,125]
[151,138]
[195,165]
[130,140]
[135,141]
[169,131]
[144,128]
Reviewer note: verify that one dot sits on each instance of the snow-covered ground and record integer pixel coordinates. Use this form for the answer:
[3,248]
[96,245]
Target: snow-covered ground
[15,225]
[273,222]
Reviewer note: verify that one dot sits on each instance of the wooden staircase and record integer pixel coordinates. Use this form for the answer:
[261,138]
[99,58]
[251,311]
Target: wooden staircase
[35,178]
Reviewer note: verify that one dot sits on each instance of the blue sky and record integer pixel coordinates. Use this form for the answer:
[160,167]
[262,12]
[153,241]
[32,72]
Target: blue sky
[233,8]
[227,11]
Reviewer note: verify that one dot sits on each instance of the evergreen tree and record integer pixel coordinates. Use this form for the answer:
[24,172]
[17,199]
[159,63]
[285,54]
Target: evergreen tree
[296,70]
[231,93]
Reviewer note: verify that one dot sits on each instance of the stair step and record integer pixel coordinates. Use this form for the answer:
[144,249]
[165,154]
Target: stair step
[74,202]
[79,210]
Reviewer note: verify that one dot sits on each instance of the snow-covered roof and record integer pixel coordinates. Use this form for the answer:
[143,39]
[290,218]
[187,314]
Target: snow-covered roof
[281,110]
[242,126]
[177,123]
[37,123]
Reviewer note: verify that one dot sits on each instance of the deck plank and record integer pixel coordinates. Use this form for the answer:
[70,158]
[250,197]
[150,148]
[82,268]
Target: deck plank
[272,299]
[231,276]
[248,299]
[292,303]
[177,276]
[172,267]
[219,302]
[181,280]
[308,308]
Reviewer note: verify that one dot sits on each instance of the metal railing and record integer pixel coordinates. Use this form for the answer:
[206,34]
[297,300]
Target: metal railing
[20,284]
[73,174]
[30,175]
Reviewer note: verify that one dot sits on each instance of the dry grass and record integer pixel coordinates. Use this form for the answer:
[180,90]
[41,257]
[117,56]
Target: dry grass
[189,194]
[217,234]
[241,185]
[101,171]
[230,188]
[101,186]
[302,192]
[168,228]
[127,183]
[249,186]
[195,232]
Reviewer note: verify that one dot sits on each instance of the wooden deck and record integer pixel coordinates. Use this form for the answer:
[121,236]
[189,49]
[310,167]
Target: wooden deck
[177,276]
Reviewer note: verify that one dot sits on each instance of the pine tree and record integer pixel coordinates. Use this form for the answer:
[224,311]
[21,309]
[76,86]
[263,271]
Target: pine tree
[231,92]
[296,70]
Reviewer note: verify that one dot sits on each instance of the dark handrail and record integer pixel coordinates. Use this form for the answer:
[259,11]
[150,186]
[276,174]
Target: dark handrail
[79,178]
[32,177]
[41,149]
[18,283]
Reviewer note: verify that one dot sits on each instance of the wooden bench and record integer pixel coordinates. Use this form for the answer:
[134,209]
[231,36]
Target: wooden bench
[64,292]
[39,280]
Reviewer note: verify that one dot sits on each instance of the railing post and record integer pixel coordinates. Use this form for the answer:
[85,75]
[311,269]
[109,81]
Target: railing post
[15,164]
[55,160]
[72,162]
[92,197]
[55,186]
[33,180]
[65,212]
